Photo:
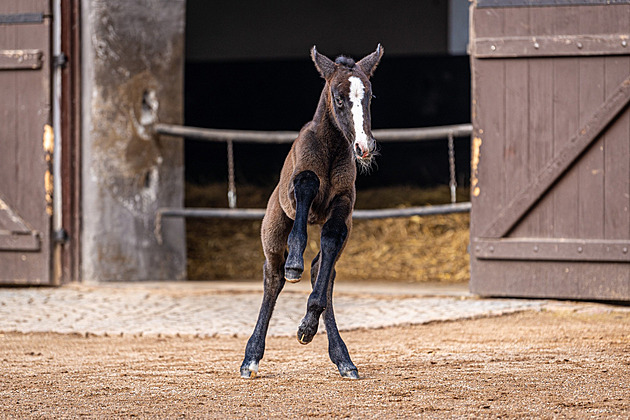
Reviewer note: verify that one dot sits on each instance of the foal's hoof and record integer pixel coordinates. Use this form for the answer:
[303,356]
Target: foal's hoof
[293,268]
[307,329]
[249,370]
[292,275]
[349,372]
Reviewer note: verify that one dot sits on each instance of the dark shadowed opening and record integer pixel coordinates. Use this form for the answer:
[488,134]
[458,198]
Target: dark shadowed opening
[249,68]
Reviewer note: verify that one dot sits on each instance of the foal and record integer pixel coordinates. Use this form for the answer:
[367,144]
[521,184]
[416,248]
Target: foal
[317,187]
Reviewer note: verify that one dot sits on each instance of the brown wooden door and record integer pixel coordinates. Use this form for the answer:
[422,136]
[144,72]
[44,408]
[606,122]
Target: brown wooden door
[551,151]
[26,142]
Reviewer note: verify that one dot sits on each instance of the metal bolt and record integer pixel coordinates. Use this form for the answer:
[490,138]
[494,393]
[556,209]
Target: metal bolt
[625,250]
[477,249]
[493,47]
[579,45]
[491,248]
[535,248]
[536,45]
[580,249]
[624,43]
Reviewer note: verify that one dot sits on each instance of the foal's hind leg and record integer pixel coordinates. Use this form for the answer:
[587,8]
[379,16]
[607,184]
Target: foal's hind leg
[306,186]
[275,229]
[256,344]
[337,349]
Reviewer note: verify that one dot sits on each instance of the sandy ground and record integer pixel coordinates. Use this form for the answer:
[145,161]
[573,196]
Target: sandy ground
[561,363]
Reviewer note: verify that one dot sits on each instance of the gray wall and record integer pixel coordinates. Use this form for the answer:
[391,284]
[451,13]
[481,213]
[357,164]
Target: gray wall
[251,29]
[458,17]
[132,50]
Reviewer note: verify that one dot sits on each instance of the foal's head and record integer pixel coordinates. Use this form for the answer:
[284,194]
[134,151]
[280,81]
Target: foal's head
[348,94]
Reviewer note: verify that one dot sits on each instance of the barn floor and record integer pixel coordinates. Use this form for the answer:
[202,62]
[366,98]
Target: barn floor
[551,359]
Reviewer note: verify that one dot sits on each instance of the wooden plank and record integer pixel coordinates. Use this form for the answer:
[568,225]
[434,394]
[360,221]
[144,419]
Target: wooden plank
[539,221]
[21,18]
[8,123]
[538,3]
[541,249]
[516,149]
[20,59]
[616,162]
[24,6]
[488,117]
[604,281]
[617,144]
[517,105]
[487,23]
[587,134]
[590,198]
[566,121]
[33,103]
[8,120]
[10,221]
[551,46]
[516,23]
[488,144]
[608,281]
[28,243]
[516,154]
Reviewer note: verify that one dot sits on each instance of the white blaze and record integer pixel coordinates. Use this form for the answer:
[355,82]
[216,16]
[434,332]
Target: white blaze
[357,90]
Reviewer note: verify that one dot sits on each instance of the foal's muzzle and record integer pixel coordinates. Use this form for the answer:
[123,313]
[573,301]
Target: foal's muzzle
[363,152]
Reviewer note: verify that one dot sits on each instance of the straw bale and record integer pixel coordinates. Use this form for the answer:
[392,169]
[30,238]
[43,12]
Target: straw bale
[414,249]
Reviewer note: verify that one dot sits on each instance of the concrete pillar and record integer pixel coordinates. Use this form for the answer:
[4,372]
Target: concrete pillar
[132,72]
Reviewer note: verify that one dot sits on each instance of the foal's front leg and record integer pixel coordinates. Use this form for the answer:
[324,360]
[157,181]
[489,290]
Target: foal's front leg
[306,186]
[334,235]
[337,349]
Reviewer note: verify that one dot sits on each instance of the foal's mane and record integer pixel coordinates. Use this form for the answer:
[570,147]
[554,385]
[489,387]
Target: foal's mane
[345,61]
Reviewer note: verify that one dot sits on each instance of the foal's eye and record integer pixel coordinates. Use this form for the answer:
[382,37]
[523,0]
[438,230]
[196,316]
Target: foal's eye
[339,101]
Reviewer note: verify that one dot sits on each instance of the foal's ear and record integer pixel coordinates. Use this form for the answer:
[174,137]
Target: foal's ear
[369,62]
[324,65]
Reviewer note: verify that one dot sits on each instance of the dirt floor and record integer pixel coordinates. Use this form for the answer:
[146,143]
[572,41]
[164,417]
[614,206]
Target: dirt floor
[533,364]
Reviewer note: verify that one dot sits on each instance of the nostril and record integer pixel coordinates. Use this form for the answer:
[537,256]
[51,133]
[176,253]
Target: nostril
[357,149]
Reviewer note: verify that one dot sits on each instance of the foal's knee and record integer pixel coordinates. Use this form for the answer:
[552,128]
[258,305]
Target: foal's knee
[334,234]
[306,185]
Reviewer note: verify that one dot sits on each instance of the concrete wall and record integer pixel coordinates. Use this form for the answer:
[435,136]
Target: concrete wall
[132,76]
[458,17]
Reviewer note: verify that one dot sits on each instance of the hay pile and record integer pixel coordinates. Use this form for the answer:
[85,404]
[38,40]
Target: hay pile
[415,249]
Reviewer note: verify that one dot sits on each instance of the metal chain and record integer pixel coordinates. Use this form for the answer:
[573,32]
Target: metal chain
[451,166]
[231,185]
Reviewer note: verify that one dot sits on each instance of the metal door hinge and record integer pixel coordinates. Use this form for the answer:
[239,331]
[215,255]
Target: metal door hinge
[60,236]
[60,60]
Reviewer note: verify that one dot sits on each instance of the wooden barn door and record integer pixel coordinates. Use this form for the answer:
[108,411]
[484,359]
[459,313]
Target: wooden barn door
[551,149]
[26,142]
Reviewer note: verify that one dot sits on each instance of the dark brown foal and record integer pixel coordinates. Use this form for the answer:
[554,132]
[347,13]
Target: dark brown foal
[317,187]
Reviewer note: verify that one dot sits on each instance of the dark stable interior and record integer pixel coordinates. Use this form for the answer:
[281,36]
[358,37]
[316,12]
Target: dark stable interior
[280,94]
